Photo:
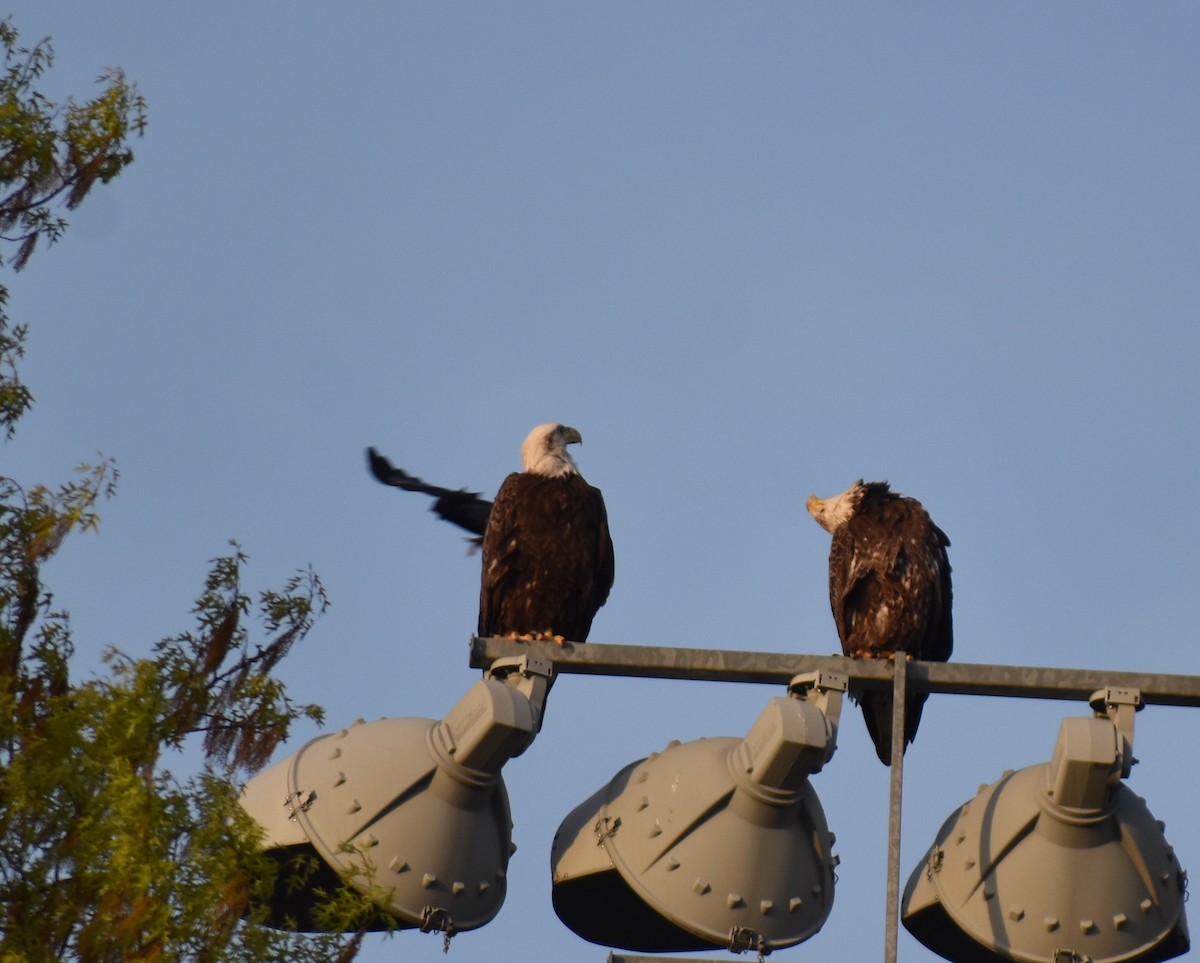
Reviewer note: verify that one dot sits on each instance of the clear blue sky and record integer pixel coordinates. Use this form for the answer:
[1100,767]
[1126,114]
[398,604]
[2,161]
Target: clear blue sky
[750,251]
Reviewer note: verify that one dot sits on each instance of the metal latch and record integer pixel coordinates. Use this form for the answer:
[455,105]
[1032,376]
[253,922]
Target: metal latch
[742,938]
[435,918]
[300,802]
[606,827]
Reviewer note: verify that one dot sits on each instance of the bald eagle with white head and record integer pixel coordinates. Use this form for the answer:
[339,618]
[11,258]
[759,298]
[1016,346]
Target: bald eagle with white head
[547,553]
[889,588]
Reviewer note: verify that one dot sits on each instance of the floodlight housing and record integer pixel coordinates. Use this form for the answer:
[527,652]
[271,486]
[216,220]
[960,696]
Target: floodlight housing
[412,813]
[1057,863]
[719,843]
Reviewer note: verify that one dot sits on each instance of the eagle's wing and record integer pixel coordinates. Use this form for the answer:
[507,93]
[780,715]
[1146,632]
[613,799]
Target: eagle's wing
[465,509]
[854,592]
[502,560]
[940,645]
[605,561]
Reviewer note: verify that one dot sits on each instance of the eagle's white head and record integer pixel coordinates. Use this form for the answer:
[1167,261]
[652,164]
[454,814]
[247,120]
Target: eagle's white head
[544,451]
[832,513]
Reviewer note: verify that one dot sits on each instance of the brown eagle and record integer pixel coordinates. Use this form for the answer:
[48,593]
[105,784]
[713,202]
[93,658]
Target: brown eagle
[889,588]
[547,553]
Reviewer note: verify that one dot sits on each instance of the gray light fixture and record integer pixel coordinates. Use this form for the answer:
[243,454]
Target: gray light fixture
[719,843]
[413,813]
[1060,862]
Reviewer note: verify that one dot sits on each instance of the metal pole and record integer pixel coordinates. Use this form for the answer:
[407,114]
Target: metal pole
[891,925]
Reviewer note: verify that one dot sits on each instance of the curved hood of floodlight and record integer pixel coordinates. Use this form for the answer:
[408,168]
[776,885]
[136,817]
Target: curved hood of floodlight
[1014,875]
[387,813]
[413,813]
[680,851]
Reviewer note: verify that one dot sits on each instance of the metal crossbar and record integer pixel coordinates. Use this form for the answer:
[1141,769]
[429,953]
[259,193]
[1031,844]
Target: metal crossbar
[777,668]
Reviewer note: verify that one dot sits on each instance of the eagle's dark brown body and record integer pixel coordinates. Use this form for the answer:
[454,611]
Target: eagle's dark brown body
[547,558]
[890,591]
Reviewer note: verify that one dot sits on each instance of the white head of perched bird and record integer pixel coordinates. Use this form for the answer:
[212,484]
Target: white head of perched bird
[889,588]
[547,553]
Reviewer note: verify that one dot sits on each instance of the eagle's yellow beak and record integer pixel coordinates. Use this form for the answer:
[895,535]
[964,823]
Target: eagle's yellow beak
[571,436]
[814,505]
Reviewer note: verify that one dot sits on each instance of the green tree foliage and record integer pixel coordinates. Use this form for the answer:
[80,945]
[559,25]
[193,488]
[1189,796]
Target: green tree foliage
[105,853]
[51,155]
[52,152]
